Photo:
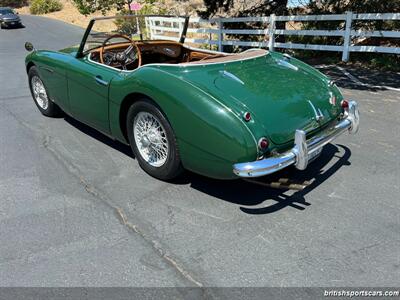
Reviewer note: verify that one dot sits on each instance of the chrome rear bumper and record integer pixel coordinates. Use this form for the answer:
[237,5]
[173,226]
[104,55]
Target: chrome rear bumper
[302,150]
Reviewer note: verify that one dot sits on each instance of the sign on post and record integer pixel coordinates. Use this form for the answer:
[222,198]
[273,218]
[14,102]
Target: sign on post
[135,6]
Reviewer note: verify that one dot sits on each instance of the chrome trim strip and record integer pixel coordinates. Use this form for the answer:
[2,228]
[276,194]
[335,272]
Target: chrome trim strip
[286,64]
[318,114]
[101,81]
[88,57]
[231,76]
[299,154]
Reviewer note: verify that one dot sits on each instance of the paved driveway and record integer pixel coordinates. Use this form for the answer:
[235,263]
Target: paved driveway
[76,209]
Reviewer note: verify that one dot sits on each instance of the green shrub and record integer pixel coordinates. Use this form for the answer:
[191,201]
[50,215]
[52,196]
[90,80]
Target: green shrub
[39,7]
[127,26]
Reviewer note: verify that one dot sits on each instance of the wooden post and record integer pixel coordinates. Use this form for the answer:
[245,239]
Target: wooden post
[271,32]
[220,34]
[347,36]
[151,26]
[180,26]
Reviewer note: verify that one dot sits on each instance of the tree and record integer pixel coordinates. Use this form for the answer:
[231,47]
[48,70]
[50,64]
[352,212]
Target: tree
[212,7]
[13,3]
[258,8]
[324,7]
[357,6]
[87,7]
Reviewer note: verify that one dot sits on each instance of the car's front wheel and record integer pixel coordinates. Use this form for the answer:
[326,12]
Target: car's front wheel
[40,95]
[153,141]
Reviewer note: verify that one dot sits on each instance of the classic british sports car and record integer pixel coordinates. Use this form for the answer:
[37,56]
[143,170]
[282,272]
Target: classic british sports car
[217,114]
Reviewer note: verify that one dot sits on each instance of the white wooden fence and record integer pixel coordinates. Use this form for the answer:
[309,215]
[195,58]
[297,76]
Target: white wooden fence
[170,28]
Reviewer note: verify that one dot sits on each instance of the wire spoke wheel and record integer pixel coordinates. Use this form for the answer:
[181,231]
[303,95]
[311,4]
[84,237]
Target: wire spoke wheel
[39,92]
[151,139]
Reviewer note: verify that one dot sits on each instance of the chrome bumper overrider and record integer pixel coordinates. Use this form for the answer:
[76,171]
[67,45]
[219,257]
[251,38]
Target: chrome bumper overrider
[302,150]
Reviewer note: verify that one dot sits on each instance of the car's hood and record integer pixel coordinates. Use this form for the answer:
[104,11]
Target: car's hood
[281,94]
[9,17]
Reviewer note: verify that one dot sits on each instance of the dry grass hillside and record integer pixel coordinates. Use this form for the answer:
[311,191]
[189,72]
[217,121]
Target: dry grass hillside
[71,15]
[68,14]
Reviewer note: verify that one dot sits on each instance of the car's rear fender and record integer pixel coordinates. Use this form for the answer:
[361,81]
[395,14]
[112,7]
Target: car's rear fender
[210,136]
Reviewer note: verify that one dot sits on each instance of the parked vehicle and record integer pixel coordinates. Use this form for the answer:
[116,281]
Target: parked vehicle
[217,114]
[9,18]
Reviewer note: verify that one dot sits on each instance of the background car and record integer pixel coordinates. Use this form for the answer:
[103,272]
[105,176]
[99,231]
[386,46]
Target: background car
[9,18]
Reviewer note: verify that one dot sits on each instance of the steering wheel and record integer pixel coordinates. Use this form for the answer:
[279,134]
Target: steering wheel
[122,58]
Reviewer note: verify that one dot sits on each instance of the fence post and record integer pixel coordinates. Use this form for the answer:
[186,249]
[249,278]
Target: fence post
[180,27]
[220,25]
[347,36]
[271,32]
[151,25]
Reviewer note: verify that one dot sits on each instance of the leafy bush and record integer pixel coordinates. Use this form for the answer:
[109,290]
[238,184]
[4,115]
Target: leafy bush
[126,26]
[129,25]
[39,7]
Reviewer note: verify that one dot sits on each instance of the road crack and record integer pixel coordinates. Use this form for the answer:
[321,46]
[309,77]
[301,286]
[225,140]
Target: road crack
[155,245]
[92,190]
[95,192]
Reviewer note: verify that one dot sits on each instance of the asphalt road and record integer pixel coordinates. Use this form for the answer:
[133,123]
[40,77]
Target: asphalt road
[76,209]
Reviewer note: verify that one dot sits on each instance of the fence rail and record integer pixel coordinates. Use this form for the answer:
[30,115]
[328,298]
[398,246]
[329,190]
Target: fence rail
[170,28]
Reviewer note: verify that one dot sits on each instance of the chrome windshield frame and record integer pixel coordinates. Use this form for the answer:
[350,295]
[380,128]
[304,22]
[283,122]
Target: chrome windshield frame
[81,53]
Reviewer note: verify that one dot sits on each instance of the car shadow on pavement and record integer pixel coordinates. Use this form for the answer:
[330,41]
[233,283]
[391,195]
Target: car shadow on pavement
[14,28]
[125,149]
[249,196]
[361,78]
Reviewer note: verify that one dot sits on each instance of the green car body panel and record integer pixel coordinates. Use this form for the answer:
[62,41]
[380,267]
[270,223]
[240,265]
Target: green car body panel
[204,103]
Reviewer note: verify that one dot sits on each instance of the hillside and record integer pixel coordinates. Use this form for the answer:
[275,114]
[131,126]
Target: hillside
[70,13]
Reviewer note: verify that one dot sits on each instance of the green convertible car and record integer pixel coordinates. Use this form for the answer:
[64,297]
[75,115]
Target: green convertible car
[218,114]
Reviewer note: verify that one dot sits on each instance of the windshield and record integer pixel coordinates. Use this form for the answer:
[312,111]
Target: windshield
[140,28]
[6,11]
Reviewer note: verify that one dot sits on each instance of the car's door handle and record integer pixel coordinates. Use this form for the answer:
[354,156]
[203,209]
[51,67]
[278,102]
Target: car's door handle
[100,80]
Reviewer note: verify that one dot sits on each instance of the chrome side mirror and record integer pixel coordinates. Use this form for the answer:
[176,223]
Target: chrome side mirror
[29,47]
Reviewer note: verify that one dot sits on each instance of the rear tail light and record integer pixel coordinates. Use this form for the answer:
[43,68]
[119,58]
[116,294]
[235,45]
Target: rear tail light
[247,116]
[263,143]
[344,104]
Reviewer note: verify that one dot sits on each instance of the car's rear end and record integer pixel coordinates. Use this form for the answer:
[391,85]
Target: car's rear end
[291,109]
